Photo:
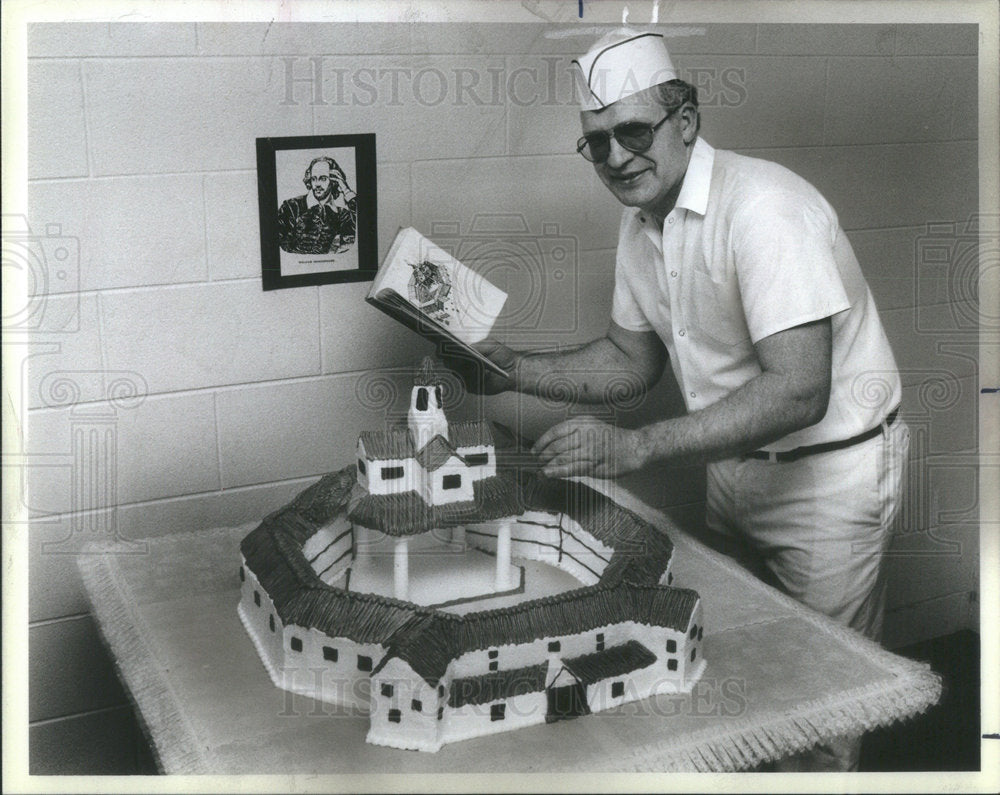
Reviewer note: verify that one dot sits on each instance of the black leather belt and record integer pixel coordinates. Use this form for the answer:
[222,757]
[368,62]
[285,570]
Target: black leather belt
[825,447]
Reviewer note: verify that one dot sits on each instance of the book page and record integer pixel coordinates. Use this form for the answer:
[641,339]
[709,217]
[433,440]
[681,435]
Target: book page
[439,287]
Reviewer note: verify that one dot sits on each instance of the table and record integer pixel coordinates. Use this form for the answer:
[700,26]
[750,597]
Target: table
[780,678]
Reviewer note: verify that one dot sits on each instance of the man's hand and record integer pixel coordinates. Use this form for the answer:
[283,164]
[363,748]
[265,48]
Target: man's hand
[478,379]
[587,446]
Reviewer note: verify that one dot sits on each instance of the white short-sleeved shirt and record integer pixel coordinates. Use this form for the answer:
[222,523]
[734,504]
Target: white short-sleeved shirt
[751,249]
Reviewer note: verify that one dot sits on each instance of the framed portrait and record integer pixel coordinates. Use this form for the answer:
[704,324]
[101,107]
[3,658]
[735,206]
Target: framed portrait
[317,202]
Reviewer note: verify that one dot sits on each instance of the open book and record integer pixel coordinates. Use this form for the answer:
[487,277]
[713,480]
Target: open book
[425,288]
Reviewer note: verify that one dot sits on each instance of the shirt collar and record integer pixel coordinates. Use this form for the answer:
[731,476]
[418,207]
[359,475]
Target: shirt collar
[697,178]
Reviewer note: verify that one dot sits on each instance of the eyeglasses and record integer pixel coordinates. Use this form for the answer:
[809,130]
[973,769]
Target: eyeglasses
[636,136]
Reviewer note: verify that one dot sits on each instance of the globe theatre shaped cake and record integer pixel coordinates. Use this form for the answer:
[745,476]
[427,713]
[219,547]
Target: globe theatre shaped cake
[450,595]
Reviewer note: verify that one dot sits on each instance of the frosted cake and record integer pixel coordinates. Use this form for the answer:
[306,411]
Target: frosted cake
[449,594]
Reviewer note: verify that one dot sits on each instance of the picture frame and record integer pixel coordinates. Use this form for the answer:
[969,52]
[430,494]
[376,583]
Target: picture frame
[317,203]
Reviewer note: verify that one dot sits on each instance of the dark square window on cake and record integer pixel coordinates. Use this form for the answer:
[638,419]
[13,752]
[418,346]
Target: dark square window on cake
[361,466]
[395,716]
[386,690]
[497,711]
[296,644]
[243,575]
[440,691]
[440,712]
[494,665]
[694,652]
[555,646]
[701,632]
[364,663]
[270,622]
[477,459]
[451,482]
[671,646]
[617,689]
[694,632]
[330,653]
[392,473]
[671,664]
[493,654]
[416,705]
[256,598]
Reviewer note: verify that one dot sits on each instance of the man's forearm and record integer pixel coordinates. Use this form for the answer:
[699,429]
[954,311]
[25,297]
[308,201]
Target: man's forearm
[762,411]
[597,372]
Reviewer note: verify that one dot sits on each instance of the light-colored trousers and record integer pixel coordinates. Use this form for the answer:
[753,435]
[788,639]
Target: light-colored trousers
[816,528]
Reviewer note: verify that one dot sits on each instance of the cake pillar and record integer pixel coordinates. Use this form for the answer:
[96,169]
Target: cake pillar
[401,566]
[458,536]
[502,580]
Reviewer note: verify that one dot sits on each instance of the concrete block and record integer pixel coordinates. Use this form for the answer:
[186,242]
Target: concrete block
[130,231]
[825,39]
[888,261]
[100,455]
[357,336]
[933,562]
[499,198]
[937,39]
[918,354]
[57,135]
[420,107]
[103,743]
[933,618]
[88,39]
[232,224]
[66,367]
[154,115]
[906,99]
[302,38]
[904,185]
[212,334]
[942,412]
[69,670]
[301,429]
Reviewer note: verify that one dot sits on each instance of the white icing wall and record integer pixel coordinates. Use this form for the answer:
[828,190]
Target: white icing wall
[329,549]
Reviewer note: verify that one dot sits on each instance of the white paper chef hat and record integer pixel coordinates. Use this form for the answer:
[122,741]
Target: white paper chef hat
[622,63]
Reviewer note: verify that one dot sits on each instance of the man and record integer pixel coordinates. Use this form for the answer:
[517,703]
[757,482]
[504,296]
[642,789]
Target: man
[322,221]
[737,271]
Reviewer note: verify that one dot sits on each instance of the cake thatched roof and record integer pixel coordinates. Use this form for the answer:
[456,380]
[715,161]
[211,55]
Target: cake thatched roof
[395,441]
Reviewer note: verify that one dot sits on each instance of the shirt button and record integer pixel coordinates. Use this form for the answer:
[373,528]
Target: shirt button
[693,394]
[670,220]
[674,274]
[642,218]
[681,332]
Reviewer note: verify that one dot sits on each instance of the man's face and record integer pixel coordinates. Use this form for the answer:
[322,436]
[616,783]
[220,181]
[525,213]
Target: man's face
[320,181]
[652,179]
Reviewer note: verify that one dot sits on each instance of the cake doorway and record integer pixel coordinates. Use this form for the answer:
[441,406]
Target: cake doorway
[566,701]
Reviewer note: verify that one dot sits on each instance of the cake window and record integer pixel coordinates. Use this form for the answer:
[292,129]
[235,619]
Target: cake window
[330,653]
[395,716]
[256,598]
[451,482]
[270,622]
[361,466]
[243,575]
[694,652]
[440,712]
[671,646]
[498,711]
[701,631]
[694,631]
[392,473]
[555,646]
[421,399]
[671,664]
[493,653]
[670,578]
[494,665]
[364,663]
[440,691]
[617,689]
[416,705]
[296,644]
[437,394]
[477,459]
[600,645]
[386,690]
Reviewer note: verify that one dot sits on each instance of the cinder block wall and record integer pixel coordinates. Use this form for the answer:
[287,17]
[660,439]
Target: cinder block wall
[218,402]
